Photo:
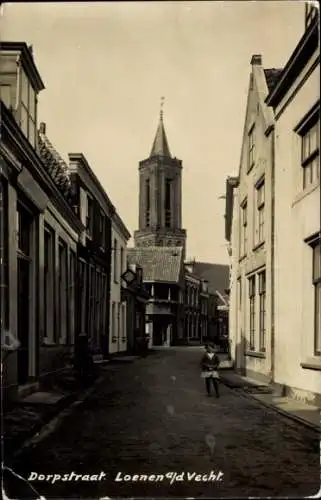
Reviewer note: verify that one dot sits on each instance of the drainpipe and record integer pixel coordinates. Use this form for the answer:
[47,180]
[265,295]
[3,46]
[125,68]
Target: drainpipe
[272,256]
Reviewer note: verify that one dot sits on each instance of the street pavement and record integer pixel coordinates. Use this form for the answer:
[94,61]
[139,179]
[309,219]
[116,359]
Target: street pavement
[152,417]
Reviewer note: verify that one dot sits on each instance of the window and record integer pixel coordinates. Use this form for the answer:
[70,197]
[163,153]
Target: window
[23,230]
[251,148]
[147,194]
[62,291]
[311,12]
[103,304]
[90,217]
[316,247]
[310,152]
[119,318]
[252,312]
[72,294]
[91,311]
[243,242]
[121,260]
[123,322]
[239,283]
[113,321]
[262,299]
[115,261]
[168,215]
[28,109]
[82,283]
[49,273]
[102,229]
[259,219]
[4,283]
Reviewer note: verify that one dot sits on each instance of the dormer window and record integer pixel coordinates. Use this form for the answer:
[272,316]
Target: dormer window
[90,217]
[20,82]
[28,122]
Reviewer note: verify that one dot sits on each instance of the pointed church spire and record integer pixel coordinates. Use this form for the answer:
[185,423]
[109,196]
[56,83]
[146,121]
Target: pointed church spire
[160,145]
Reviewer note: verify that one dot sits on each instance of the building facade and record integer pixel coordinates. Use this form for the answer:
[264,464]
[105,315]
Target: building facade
[160,197]
[136,297]
[214,279]
[118,322]
[297,254]
[252,234]
[39,233]
[163,275]
[95,211]
[195,309]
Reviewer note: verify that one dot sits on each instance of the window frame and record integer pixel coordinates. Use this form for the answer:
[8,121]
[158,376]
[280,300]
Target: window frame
[62,280]
[262,312]
[259,228]
[244,225]
[29,107]
[49,278]
[113,322]
[310,163]
[252,305]
[115,261]
[4,290]
[316,281]
[90,216]
[251,148]
[102,229]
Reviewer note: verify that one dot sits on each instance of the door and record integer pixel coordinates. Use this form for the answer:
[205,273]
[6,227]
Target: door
[23,319]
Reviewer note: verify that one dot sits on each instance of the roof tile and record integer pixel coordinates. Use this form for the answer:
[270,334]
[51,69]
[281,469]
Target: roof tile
[158,263]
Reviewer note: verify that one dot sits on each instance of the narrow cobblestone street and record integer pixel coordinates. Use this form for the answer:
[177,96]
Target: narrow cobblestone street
[152,416]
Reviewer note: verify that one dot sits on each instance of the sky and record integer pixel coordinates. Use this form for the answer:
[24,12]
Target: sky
[106,66]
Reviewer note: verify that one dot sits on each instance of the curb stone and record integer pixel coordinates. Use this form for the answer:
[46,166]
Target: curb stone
[240,392]
[47,428]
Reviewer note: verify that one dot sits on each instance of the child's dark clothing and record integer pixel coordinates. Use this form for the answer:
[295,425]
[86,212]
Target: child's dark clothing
[210,364]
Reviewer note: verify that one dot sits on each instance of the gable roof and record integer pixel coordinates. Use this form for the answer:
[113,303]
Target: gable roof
[217,276]
[163,264]
[263,78]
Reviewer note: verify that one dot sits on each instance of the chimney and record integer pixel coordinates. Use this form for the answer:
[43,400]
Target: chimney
[42,128]
[256,60]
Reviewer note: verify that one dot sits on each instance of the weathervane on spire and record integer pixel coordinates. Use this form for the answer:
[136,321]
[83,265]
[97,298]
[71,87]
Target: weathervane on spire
[161,108]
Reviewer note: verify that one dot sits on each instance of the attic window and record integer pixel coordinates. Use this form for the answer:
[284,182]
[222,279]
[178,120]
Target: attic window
[251,148]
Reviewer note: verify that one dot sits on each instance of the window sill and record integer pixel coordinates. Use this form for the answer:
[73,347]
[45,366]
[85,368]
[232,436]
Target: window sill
[255,354]
[306,191]
[258,246]
[312,363]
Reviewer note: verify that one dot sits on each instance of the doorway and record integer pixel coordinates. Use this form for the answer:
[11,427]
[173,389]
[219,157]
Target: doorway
[23,277]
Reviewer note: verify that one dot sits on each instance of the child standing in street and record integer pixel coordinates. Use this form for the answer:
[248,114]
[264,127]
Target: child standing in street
[209,366]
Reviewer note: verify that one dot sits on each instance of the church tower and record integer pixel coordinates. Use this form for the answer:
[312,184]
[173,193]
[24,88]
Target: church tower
[160,196]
